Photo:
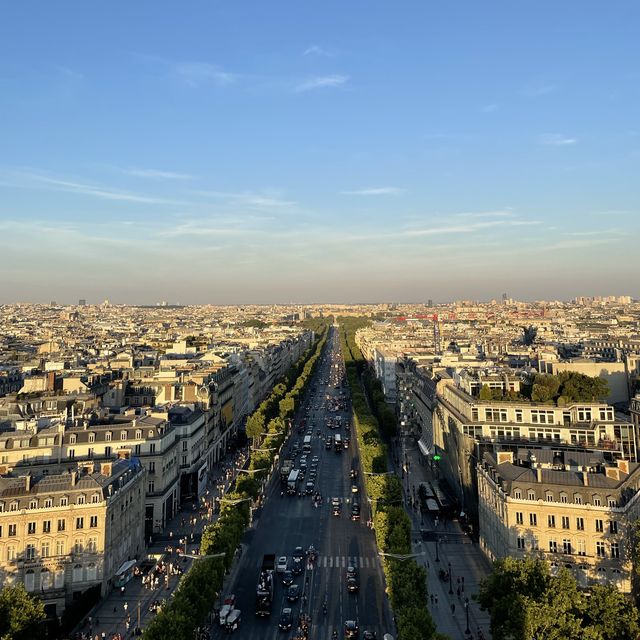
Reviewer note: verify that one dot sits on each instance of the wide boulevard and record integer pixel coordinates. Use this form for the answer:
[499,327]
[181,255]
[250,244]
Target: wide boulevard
[288,521]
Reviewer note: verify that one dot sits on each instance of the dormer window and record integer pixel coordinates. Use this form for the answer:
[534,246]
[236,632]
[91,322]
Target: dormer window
[1,507]
[564,497]
[531,494]
[13,506]
[517,494]
[64,501]
[138,434]
[33,504]
[151,433]
[548,496]
[92,437]
[597,501]
[95,498]
[123,435]
[108,436]
[80,500]
[72,438]
[612,502]
[577,498]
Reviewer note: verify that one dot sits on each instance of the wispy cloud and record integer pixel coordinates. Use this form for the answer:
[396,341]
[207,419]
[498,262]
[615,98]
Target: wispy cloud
[317,50]
[154,173]
[197,74]
[248,198]
[556,139]
[490,108]
[537,89]
[375,191]
[486,214]
[24,179]
[321,82]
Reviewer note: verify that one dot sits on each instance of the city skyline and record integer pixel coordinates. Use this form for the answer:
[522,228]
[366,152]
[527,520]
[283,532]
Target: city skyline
[304,154]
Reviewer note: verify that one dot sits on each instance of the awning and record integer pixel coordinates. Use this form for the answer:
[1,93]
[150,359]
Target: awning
[424,449]
[125,567]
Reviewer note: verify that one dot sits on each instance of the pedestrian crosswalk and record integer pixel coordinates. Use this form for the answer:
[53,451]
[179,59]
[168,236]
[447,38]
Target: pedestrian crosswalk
[342,562]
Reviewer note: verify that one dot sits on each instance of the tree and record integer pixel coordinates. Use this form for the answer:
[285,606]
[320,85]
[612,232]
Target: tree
[485,393]
[255,425]
[20,614]
[612,614]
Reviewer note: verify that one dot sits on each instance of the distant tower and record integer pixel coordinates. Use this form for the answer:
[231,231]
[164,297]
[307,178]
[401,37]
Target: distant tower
[504,298]
[82,302]
[429,302]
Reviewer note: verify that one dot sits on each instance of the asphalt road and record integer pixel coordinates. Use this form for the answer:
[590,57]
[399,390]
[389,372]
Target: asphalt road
[286,522]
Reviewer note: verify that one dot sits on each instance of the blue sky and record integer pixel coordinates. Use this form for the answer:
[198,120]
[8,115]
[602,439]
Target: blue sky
[282,151]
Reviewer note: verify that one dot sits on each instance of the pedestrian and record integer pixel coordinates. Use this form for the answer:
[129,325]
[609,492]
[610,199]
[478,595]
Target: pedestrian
[458,591]
[126,606]
[453,608]
[436,599]
[122,589]
[431,598]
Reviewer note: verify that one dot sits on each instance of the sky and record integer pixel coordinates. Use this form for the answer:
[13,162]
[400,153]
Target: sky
[336,151]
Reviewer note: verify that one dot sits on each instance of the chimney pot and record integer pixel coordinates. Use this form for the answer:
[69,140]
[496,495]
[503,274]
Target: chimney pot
[539,473]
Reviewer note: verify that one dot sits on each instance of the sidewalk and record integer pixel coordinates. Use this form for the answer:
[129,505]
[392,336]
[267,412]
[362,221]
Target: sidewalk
[109,616]
[466,562]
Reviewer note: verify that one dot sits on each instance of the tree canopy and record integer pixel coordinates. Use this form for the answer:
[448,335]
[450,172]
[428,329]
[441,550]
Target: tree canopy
[526,601]
[20,614]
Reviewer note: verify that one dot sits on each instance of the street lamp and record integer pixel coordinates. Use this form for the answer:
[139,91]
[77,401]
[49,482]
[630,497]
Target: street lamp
[450,580]
[466,610]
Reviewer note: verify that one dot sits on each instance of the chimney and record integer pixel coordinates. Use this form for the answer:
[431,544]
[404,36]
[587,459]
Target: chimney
[539,473]
[27,482]
[106,469]
[74,478]
[612,472]
[585,476]
[623,465]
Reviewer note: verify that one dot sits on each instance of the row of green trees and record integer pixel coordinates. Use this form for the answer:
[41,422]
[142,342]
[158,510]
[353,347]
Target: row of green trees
[201,585]
[561,389]
[406,580]
[21,614]
[526,601]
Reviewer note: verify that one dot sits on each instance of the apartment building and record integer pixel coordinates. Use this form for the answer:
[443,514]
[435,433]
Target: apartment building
[575,509]
[67,531]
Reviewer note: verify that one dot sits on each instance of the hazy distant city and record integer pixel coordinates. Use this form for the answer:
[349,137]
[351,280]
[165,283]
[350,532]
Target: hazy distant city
[319,321]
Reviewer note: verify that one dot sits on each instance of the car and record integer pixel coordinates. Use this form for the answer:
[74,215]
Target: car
[315,460]
[303,465]
[352,585]
[309,487]
[369,635]
[286,619]
[297,566]
[287,578]
[328,443]
[355,511]
[354,488]
[352,572]
[293,593]
[351,629]
[282,564]
[298,554]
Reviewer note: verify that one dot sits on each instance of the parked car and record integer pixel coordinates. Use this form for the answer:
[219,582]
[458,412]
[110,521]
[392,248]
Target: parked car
[282,564]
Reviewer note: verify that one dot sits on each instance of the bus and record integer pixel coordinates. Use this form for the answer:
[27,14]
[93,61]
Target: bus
[338,442]
[306,444]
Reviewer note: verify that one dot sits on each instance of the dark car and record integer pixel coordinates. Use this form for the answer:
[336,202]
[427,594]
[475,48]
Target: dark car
[286,619]
[293,593]
[297,566]
[352,572]
[309,487]
[352,585]
[351,629]
[328,443]
[355,511]
[298,554]
[287,578]
[369,635]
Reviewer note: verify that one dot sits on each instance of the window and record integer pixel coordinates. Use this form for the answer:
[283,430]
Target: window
[107,452]
[582,548]
[184,461]
[59,547]
[73,438]
[565,522]
[185,445]
[12,530]
[31,528]
[79,523]
[613,526]
[136,450]
[13,506]
[566,546]
[77,573]
[58,578]
[11,553]
[138,434]
[551,522]
[30,552]
[46,526]
[549,497]
[615,550]
[77,545]
[152,447]
[612,502]
[64,501]
[151,487]
[533,519]
[597,502]
[517,494]
[535,545]
[584,415]
[95,498]
[44,549]
[108,436]
[599,526]
[531,494]
[71,454]
[80,500]
[553,546]
[33,504]
[521,543]
[600,552]
[93,522]
[580,524]
[564,498]
[30,580]
[0,531]
[123,435]
[48,503]
[519,517]
[91,572]
[92,438]
[518,415]
[90,452]
[577,498]
[61,524]
[152,467]
[1,507]
[45,579]
[92,544]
